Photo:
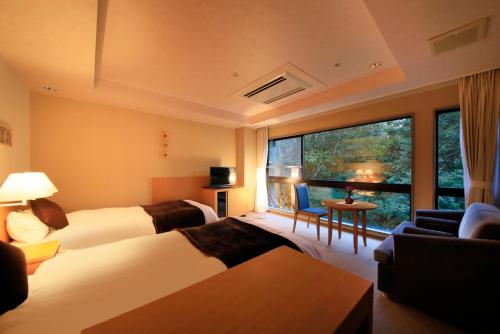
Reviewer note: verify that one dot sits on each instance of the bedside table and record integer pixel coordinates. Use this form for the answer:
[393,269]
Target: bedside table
[38,252]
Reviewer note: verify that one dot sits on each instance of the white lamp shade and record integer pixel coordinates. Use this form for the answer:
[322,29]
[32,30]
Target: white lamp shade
[26,186]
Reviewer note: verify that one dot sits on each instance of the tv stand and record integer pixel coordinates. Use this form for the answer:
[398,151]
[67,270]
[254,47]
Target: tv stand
[227,201]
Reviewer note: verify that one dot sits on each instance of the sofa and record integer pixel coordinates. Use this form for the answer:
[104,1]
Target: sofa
[446,263]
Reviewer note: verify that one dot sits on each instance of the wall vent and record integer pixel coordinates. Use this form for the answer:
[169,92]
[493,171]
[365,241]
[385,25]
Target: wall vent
[279,86]
[459,37]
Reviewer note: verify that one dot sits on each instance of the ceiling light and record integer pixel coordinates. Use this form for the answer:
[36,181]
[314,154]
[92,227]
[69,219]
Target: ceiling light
[374,65]
[50,89]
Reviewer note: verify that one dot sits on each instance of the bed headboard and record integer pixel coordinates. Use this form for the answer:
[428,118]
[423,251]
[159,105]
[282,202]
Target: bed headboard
[172,188]
[4,211]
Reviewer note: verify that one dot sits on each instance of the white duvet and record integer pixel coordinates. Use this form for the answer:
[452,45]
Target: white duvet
[88,228]
[80,288]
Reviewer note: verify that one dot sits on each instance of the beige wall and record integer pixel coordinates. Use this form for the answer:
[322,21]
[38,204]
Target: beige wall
[15,113]
[422,105]
[100,156]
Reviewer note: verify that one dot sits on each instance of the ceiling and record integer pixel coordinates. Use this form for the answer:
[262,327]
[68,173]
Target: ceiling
[185,58]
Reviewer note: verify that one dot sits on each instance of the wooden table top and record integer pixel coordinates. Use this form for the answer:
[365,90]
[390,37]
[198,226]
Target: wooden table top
[281,291]
[338,203]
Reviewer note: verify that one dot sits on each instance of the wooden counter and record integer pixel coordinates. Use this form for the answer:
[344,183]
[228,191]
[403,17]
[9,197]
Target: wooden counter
[282,291]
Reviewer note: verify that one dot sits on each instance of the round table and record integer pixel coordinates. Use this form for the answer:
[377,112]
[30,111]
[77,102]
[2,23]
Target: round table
[340,205]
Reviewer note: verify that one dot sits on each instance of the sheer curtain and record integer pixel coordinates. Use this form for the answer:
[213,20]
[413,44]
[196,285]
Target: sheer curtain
[480,108]
[261,202]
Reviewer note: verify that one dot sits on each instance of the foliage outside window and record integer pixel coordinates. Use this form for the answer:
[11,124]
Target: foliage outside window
[449,183]
[375,158]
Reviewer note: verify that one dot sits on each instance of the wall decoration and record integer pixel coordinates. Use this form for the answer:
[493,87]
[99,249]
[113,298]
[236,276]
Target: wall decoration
[5,134]
[164,144]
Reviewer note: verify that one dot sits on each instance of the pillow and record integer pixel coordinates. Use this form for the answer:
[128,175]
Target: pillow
[481,221]
[49,212]
[13,278]
[26,227]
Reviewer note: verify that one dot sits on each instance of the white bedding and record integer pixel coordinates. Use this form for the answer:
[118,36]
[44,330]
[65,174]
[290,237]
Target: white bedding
[80,288]
[88,228]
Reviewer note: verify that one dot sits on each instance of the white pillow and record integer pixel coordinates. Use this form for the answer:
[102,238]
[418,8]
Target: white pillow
[26,227]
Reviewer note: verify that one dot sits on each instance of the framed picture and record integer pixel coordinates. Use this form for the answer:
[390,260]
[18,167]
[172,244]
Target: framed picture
[5,134]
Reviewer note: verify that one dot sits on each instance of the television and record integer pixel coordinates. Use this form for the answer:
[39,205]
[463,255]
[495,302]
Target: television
[221,177]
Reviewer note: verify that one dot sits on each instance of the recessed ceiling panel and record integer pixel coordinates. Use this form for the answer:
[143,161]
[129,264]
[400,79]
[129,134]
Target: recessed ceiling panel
[191,49]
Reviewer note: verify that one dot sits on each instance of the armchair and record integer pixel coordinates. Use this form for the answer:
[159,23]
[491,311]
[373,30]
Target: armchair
[445,266]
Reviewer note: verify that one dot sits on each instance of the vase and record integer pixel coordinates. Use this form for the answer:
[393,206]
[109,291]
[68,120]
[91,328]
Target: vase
[348,199]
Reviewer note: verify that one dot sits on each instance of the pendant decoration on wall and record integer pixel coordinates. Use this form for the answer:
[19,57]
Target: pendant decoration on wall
[5,134]
[164,144]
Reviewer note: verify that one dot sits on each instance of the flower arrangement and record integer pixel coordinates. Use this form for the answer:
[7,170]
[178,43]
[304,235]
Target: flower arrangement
[350,191]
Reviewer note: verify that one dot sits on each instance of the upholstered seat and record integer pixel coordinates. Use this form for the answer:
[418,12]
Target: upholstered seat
[315,211]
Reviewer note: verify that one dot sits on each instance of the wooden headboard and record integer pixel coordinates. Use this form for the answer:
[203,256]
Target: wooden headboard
[172,188]
[4,211]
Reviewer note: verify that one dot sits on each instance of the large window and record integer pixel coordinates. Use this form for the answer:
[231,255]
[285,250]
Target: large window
[375,158]
[449,183]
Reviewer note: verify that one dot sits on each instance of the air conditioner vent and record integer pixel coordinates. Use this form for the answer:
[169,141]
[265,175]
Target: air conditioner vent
[459,37]
[264,87]
[278,86]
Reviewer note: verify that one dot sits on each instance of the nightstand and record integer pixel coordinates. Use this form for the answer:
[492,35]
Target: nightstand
[38,252]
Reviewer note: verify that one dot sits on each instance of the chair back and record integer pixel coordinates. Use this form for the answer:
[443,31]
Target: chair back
[301,196]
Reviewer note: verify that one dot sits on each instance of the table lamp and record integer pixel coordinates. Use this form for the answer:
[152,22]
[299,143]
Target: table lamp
[25,186]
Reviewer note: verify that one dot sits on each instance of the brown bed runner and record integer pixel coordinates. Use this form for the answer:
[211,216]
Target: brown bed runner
[233,241]
[174,214]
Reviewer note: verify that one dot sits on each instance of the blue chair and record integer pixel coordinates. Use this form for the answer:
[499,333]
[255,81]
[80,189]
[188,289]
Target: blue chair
[303,206]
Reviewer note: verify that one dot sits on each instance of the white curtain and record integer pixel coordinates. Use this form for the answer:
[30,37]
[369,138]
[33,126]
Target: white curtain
[480,108]
[261,202]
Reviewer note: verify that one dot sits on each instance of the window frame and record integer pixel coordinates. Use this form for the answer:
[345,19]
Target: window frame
[442,191]
[368,186]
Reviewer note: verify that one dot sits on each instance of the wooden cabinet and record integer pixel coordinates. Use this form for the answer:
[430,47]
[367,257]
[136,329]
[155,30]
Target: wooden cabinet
[226,202]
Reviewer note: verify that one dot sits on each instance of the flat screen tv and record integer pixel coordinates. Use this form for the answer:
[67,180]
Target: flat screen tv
[222,177]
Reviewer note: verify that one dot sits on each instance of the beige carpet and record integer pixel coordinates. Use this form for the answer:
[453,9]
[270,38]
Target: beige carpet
[389,316]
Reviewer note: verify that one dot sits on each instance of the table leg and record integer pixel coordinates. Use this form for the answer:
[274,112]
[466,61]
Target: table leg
[363,221]
[355,229]
[330,225]
[339,216]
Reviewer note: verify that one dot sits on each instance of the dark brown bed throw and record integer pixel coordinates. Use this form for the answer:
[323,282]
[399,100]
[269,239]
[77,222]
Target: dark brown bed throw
[174,214]
[233,241]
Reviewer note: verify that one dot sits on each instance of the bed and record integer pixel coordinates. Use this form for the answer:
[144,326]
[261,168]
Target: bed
[88,228]
[80,288]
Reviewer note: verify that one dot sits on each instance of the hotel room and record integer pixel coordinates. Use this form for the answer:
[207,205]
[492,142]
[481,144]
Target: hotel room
[249,167]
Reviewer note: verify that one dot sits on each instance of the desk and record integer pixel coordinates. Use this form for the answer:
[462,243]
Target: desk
[281,291]
[356,207]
